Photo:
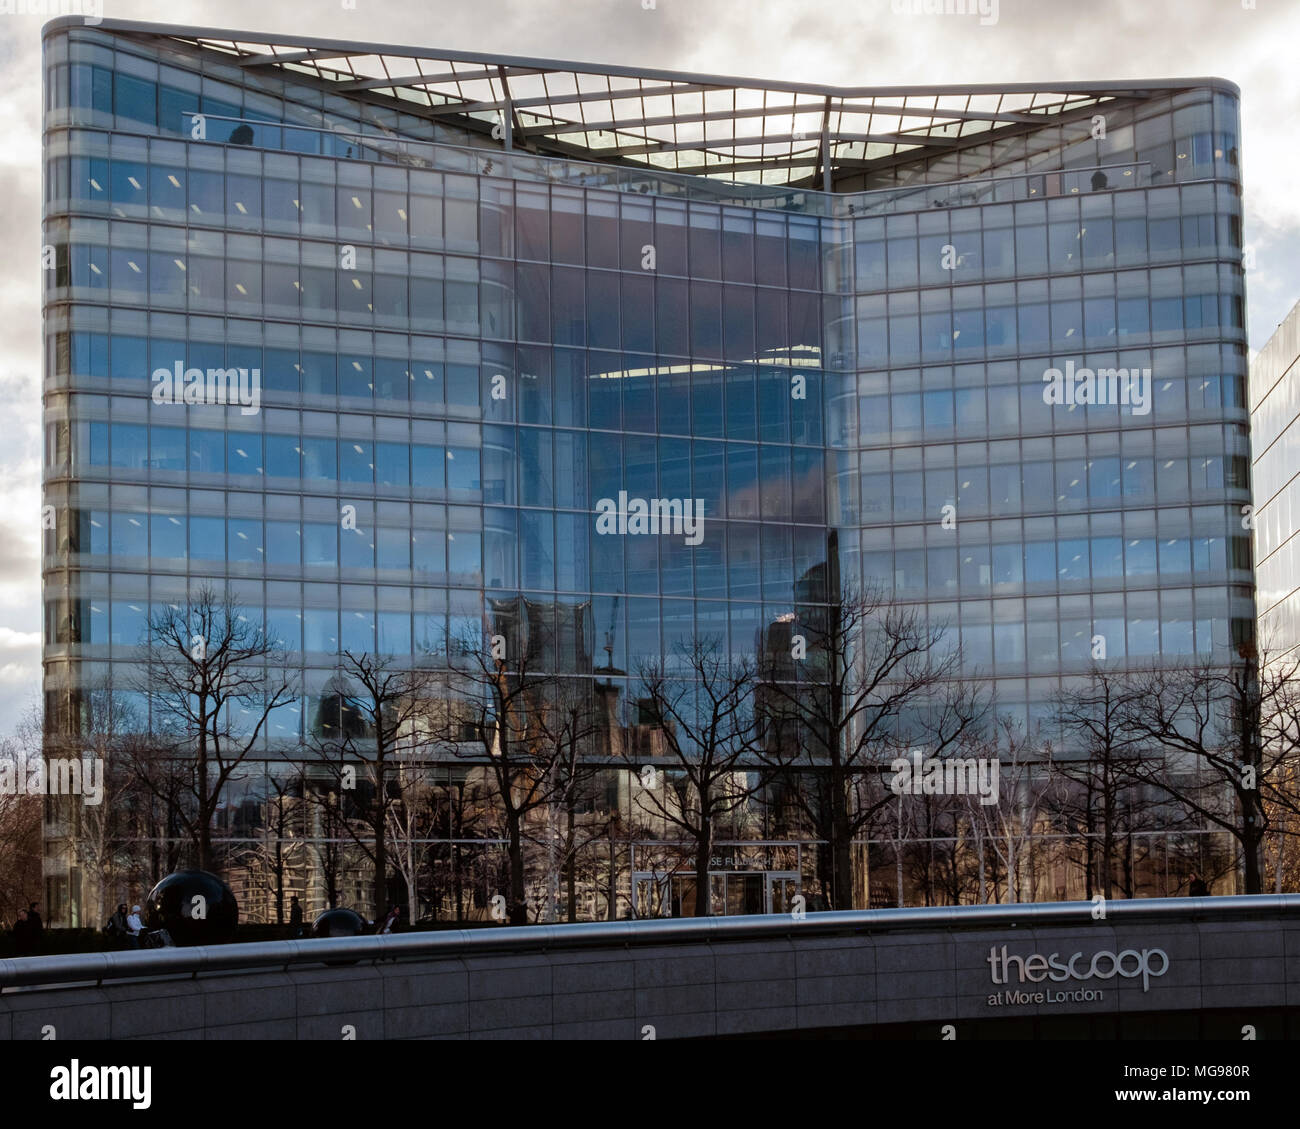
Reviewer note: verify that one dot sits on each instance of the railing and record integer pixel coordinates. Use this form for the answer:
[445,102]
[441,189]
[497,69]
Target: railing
[65,971]
[515,164]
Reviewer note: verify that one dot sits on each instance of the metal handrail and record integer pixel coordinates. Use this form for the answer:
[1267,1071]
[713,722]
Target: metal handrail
[65,971]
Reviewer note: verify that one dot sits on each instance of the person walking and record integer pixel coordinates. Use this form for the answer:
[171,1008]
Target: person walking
[134,927]
[115,928]
[36,927]
[1197,888]
[23,943]
[392,921]
[295,916]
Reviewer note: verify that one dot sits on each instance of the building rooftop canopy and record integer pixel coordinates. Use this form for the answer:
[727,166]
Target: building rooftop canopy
[742,130]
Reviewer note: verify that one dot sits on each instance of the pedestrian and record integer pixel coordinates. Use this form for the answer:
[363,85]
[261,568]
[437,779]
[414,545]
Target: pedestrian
[295,916]
[392,921]
[1197,888]
[24,944]
[36,926]
[115,928]
[134,927]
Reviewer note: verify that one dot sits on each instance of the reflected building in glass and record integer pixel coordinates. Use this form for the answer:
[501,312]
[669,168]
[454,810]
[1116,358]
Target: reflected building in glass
[485,293]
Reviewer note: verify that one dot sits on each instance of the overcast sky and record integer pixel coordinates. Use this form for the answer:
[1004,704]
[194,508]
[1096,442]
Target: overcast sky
[849,42]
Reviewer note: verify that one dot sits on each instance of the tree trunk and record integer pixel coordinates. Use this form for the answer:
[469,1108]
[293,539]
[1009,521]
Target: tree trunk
[841,847]
[518,904]
[381,840]
[571,868]
[457,883]
[205,799]
[703,856]
[1250,845]
[279,876]
[1108,833]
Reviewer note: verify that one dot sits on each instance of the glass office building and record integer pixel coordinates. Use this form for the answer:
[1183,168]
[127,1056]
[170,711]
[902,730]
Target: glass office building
[485,293]
[1274,387]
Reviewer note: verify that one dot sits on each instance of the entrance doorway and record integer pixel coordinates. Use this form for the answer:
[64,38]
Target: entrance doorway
[732,893]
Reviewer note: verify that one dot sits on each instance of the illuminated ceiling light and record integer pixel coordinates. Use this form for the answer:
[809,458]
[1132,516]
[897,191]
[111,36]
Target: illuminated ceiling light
[179,264]
[95,185]
[132,264]
[134,183]
[174,182]
[240,287]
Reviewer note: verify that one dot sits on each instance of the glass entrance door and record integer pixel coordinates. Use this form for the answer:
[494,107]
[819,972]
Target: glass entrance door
[744,893]
[781,892]
[651,895]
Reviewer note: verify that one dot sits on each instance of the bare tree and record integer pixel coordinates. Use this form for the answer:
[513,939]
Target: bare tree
[1026,784]
[213,677]
[407,816]
[278,816]
[501,714]
[862,680]
[705,713]
[101,835]
[1109,798]
[20,831]
[1217,763]
[382,710]
[570,723]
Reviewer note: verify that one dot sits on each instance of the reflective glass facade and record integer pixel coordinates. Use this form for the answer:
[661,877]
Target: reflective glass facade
[472,346]
[1274,389]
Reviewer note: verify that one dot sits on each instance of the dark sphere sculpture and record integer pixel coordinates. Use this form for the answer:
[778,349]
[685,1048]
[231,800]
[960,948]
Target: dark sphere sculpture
[194,907]
[338,923]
